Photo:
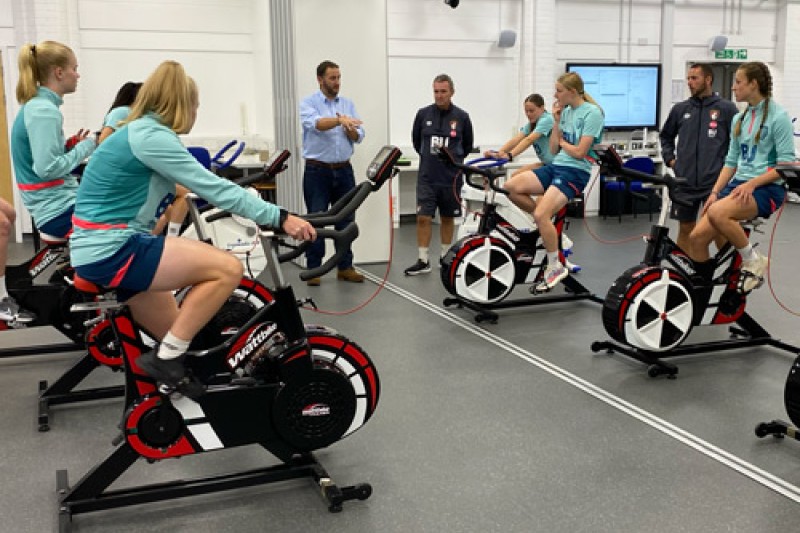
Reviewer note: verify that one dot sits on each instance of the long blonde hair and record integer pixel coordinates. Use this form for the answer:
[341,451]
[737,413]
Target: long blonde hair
[573,81]
[169,93]
[36,61]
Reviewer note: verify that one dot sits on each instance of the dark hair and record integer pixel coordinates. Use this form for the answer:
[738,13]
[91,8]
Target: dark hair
[126,94]
[708,72]
[536,99]
[444,78]
[756,70]
[325,65]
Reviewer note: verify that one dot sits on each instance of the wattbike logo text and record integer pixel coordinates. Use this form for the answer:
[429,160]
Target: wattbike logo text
[683,263]
[316,409]
[46,261]
[255,340]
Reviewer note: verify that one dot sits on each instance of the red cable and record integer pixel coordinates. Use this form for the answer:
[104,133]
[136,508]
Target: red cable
[385,275]
[593,234]
[769,270]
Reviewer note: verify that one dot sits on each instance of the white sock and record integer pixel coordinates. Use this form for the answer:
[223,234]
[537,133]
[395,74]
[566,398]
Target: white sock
[747,253]
[3,290]
[174,229]
[445,248]
[172,347]
[552,258]
[423,254]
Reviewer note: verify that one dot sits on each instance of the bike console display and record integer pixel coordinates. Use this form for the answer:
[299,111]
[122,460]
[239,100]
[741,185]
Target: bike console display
[382,166]
[608,156]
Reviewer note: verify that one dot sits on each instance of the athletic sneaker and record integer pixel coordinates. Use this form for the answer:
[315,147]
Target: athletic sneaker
[572,267]
[752,273]
[420,267]
[11,311]
[170,372]
[553,274]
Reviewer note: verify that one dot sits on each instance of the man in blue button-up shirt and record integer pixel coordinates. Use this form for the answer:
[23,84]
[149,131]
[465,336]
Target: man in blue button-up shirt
[330,128]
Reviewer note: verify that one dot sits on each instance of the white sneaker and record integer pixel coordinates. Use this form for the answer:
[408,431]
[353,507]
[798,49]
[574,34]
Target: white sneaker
[553,274]
[751,274]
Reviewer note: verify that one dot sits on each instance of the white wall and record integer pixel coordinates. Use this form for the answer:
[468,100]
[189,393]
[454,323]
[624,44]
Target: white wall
[426,38]
[326,30]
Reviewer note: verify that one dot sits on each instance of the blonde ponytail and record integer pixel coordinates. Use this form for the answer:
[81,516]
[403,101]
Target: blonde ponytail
[36,61]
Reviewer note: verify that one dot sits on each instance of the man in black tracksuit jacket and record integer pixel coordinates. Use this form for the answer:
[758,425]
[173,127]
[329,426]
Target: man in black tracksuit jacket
[440,124]
[703,126]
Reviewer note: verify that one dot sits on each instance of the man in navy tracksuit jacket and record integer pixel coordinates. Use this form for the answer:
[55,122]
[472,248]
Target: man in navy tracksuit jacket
[440,124]
[703,127]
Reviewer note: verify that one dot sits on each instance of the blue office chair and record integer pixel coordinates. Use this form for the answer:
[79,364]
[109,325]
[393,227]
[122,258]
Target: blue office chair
[216,163]
[637,191]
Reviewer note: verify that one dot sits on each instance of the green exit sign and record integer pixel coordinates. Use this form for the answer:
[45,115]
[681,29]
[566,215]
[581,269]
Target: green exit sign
[730,53]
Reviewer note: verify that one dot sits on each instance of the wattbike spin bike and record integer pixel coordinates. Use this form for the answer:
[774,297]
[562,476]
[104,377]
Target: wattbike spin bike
[289,387]
[102,348]
[652,307]
[481,270]
[49,301]
[791,394]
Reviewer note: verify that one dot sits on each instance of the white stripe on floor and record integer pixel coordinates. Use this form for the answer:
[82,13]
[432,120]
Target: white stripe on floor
[750,470]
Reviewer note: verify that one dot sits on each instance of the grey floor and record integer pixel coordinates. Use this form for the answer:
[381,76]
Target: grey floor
[514,426]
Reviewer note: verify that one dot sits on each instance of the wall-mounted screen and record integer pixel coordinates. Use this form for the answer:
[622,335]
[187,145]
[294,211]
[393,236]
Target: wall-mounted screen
[629,94]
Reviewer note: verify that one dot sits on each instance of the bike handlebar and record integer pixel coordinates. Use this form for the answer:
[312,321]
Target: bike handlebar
[489,172]
[611,165]
[381,168]
[342,239]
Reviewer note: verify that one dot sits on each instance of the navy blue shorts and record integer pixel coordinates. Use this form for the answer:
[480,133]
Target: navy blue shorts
[131,269]
[444,195]
[571,181]
[61,226]
[769,198]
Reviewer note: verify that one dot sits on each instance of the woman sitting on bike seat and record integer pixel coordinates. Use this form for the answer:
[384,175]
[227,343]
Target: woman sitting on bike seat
[747,185]
[126,186]
[535,133]
[578,125]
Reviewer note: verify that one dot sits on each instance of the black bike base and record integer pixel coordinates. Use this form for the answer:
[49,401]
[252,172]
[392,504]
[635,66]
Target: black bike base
[41,349]
[90,493]
[62,390]
[778,429]
[485,312]
[746,333]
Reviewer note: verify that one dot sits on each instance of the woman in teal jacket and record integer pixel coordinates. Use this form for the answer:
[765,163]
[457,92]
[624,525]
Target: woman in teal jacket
[43,159]
[127,185]
[747,186]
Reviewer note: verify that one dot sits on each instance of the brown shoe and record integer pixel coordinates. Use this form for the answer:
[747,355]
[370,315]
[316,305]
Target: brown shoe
[313,282]
[350,274]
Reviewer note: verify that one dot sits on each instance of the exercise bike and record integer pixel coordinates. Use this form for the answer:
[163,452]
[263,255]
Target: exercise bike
[791,394]
[289,387]
[102,348]
[652,307]
[49,300]
[481,269]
